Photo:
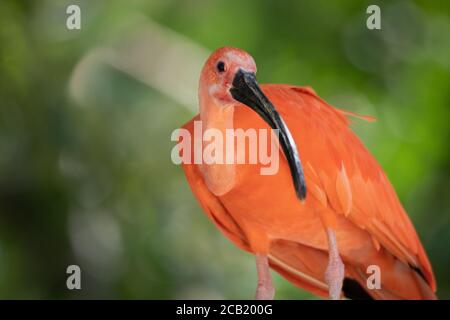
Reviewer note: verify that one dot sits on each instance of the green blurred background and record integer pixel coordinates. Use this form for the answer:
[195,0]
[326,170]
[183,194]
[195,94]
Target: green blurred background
[86,117]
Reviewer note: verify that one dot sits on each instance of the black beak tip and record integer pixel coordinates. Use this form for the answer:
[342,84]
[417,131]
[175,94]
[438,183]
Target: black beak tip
[301,192]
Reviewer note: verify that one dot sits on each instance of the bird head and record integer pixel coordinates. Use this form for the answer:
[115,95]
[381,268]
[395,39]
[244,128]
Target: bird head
[220,71]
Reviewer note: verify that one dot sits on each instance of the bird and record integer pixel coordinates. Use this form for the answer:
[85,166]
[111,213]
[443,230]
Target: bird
[329,220]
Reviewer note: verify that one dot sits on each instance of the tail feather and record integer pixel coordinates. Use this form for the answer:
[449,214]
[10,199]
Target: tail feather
[305,267]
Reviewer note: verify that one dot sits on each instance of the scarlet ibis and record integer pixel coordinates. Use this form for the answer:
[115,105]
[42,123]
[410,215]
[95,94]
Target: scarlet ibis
[328,216]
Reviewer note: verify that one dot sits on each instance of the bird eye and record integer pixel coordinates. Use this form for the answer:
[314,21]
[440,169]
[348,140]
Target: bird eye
[221,66]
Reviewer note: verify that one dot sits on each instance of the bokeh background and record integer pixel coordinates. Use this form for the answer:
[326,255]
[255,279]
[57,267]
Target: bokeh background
[86,118]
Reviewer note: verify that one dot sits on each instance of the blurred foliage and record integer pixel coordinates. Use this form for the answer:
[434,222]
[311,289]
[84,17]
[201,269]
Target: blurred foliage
[92,183]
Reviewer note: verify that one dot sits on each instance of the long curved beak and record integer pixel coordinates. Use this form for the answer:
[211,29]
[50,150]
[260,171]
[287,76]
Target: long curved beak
[246,90]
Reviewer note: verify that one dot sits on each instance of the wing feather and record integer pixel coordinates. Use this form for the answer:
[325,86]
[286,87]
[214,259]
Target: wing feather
[350,177]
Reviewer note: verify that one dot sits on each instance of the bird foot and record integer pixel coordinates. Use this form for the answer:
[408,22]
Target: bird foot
[334,276]
[265,289]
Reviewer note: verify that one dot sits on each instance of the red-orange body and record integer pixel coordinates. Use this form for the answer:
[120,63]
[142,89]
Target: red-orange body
[346,190]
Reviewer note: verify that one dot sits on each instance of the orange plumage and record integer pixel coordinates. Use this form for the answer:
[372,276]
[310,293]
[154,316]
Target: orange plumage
[347,191]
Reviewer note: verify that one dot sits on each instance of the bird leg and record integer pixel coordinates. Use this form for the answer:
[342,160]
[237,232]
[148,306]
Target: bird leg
[334,275]
[265,289]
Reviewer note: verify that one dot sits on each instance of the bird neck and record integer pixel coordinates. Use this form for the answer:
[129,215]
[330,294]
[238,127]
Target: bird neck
[219,177]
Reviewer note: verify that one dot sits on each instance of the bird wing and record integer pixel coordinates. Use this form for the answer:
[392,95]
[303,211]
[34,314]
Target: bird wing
[344,176]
